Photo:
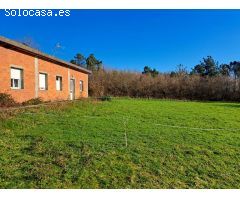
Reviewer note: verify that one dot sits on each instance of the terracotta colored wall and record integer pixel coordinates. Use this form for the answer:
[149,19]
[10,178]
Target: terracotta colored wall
[52,70]
[9,58]
[13,58]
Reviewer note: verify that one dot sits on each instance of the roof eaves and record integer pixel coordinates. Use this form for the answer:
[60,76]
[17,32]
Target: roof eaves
[40,54]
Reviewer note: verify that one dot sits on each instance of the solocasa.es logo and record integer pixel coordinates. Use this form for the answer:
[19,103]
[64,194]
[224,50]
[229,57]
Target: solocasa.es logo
[36,13]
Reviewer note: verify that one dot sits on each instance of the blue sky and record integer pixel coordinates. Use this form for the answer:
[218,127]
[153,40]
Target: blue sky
[131,39]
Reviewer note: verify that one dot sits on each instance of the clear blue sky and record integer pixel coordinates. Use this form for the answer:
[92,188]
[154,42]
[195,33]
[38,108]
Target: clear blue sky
[131,39]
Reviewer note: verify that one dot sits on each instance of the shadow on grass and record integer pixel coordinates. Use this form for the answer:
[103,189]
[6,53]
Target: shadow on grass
[228,105]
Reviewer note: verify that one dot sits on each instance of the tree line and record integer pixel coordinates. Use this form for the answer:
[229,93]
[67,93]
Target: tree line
[207,67]
[208,81]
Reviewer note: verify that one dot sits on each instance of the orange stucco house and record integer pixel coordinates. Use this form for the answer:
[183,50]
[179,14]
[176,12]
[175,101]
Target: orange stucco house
[27,73]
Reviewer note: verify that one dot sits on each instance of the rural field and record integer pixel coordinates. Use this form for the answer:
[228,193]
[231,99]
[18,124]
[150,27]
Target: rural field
[124,143]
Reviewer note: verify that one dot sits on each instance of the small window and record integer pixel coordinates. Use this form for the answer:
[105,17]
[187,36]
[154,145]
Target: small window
[81,86]
[16,78]
[58,83]
[43,83]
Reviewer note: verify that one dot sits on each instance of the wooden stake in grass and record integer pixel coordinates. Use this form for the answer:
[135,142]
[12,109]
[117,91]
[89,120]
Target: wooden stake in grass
[125,131]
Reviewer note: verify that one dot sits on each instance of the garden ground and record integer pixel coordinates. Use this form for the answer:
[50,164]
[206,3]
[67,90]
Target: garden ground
[125,143]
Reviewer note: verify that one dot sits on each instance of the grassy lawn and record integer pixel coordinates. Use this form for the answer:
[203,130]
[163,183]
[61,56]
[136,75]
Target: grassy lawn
[170,144]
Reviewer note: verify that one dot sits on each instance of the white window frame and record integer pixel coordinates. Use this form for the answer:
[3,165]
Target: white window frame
[16,78]
[81,86]
[59,87]
[46,81]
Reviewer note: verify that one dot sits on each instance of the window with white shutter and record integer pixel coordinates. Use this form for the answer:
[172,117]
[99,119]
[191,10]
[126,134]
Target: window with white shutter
[81,86]
[58,83]
[43,81]
[16,78]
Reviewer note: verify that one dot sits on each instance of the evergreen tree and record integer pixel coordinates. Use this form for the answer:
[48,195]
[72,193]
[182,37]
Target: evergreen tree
[225,69]
[207,67]
[235,67]
[79,60]
[93,64]
[148,71]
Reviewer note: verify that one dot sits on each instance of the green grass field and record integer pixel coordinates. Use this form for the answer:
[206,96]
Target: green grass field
[170,144]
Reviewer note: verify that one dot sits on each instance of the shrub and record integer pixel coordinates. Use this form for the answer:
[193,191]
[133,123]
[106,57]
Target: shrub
[105,98]
[34,101]
[183,86]
[6,100]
